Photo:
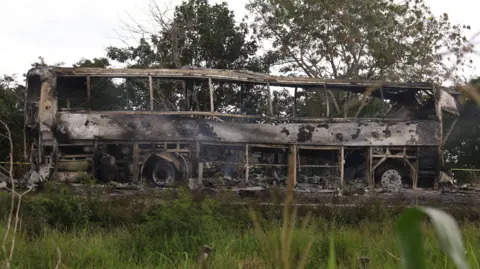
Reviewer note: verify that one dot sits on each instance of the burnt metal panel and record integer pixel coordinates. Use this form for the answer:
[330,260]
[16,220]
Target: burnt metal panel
[88,126]
[235,75]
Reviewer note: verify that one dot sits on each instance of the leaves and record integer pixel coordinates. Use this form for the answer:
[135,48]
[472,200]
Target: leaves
[410,242]
[371,39]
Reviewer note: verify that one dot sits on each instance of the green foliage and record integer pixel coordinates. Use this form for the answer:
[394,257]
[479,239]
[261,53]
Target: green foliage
[183,215]
[366,39]
[462,147]
[332,263]
[57,208]
[12,96]
[200,34]
[370,39]
[287,246]
[204,35]
[170,235]
[409,237]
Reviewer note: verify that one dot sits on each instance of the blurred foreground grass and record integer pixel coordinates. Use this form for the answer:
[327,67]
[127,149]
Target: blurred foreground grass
[130,233]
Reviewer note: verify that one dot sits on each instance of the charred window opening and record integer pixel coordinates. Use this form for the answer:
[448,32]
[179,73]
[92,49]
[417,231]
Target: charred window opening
[319,167]
[33,98]
[356,167]
[72,93]
[102,94]
[120,94]
[34,89]
[169,95]
[284,103]
[268,165]
[223,162]
[105,95]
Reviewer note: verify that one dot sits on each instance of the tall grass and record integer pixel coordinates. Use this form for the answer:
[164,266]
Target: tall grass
[132,233]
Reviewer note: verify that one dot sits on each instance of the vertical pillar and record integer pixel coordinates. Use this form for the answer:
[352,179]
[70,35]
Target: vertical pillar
[294,112]
[417,165]
[200,166]
[94,166]
[150,86]
[342,162]
[187,100]
[292,171]
[371,179]
[246,163]
[440,139]
[383,102]
[326,99]
[210,86]
[135,162]
[270,107]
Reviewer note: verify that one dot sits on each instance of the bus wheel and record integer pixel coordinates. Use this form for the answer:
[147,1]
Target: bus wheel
[163,173]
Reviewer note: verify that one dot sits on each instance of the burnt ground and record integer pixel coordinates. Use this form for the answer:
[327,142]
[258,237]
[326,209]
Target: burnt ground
[453,197]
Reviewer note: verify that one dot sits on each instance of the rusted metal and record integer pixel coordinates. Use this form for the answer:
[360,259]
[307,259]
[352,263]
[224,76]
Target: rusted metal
[150,87]
[414,173]
[210,87]
[327,103]
[370,177]
[292,170]
[269,99]
[81,126]
[69,177]
[247,166]
[318,147]
[173,135]
[258,117]
[438,107]
[235,76]
[200,164]
[341,163]
[135,163]
[294,109]
[345,105]
[363,102]
[417,164]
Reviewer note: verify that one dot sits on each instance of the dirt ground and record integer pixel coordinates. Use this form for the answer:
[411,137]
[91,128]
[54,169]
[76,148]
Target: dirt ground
[405,197]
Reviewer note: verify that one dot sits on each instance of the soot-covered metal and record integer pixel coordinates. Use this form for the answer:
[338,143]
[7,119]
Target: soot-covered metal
[176,147]
[90,126]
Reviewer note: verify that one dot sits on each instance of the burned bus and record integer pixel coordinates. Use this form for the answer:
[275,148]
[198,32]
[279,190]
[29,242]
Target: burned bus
[168,127]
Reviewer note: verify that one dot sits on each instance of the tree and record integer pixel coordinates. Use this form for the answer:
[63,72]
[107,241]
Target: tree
[105,94]
[463,144]
[12,96]
[365,39]
[199,35]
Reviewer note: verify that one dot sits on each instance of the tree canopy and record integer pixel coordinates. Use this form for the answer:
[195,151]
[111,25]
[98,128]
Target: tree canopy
[365,39]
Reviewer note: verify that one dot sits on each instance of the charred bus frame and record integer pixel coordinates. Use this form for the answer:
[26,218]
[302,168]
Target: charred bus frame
[403,146]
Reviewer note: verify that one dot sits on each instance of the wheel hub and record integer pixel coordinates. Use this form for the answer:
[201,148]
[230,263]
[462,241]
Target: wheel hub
[163,174]
[391,180]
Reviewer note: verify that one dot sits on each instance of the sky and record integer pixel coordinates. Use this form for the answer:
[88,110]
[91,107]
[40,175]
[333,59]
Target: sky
[66,31]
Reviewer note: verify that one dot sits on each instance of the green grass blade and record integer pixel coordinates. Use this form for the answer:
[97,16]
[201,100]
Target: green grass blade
[331,255]
[410,241]
[449,235]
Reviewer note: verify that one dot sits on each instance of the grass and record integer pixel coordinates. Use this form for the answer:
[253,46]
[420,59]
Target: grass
[130,233]
[144,248]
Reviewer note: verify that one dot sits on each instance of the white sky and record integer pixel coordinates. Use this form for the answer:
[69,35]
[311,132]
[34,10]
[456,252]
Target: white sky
[65,31]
